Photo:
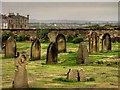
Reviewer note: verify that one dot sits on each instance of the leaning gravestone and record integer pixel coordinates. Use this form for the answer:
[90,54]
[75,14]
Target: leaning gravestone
[35,50]
[61,42]
[93,43]
[20,79]
[10,48]
[52,53]
[76,75]
[82,57]
[106,43]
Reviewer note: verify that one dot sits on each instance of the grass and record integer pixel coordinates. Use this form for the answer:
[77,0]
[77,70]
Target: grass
[41,75]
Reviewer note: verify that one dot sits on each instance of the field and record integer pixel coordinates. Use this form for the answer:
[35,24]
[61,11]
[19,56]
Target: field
[103,68]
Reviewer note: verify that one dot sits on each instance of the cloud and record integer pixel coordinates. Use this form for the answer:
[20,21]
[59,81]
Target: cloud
[77,11]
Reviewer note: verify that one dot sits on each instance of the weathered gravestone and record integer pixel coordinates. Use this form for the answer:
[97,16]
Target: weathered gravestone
[21,79]
[106,42]
[35,50]
[52,53]
[76,75]
[61,42]
[82,57]
[10,48]
[52,36]
[93,43]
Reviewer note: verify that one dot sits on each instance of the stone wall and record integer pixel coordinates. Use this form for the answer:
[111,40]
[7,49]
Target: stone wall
[84,32]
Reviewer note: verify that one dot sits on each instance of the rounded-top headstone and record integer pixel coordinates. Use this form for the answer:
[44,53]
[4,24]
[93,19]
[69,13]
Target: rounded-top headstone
[61,42]
[52,53]
[52,36]
[35,50]
[106,42]
[10,48]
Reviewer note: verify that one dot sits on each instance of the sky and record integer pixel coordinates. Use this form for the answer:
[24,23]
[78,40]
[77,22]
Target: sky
[60,0]
[90,11]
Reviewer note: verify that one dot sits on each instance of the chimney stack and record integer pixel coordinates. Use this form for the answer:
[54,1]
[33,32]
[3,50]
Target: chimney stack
[27,16]
[17,14]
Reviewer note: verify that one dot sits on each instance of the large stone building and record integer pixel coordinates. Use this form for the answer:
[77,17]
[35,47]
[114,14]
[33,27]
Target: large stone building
[13,21]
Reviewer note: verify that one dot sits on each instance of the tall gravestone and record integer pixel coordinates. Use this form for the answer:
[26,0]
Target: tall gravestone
[10,48]
[52,53]
[106,42]
[35,50]
[20,78]
[82,57]
[61,42]
[94,43]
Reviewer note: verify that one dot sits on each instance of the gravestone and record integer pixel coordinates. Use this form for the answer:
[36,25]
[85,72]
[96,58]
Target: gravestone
[76,75]
[52,53]
[61,42]
[106,42]
[10,48]
[73,75]
[52,36]
[82,75]
[35,50]
[20,78]
[82,57]
[94,43]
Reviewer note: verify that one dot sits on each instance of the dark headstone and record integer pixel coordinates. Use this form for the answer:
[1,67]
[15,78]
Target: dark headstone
[106,43]
[94,43]
[52,53]
[10,48]
[82,57]
[61,42]
[35,50]
[21,79]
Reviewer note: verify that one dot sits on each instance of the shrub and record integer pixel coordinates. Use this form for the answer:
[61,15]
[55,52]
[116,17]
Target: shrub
[44,41]
[20,37]
[75,35]
[62,79]
[42,34]
[6,35]
[115,39]
[100,62]
[69,38]
[78,39]
[91,79]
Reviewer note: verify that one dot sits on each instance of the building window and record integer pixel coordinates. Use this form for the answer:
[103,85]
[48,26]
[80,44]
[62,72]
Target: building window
[21,26]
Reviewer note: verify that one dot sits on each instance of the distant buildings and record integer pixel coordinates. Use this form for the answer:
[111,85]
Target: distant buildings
[13,21]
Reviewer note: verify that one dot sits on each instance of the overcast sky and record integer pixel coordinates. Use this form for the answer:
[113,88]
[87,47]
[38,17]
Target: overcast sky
[100,11]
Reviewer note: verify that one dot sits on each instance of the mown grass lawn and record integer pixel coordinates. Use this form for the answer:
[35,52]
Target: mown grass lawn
[41,75]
